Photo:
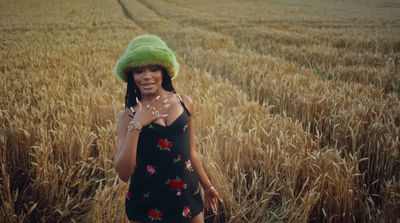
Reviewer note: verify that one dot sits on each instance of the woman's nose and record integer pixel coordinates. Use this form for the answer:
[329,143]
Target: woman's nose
[147,73]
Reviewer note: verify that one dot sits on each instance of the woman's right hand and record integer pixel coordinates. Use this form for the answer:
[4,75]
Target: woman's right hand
[155,110]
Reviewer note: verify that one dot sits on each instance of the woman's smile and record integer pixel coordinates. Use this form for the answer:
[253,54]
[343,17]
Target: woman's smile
[148,86]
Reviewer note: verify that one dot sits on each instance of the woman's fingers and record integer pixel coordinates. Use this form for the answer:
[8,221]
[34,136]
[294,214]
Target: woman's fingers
[154,103]
[156,109]
[218,197]
[215,205]
[139,105]
[157,104]
[161,113]
[162,105]
[214,208]
[208,201]
[164,108]
[220,200]
[212,202]
[161,109]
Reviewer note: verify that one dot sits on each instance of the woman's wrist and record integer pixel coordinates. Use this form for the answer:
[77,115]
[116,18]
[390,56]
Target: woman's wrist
[139,119]
[134,125]
[210,189]
[209,186]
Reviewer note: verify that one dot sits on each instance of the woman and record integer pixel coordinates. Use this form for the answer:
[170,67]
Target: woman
[155,139]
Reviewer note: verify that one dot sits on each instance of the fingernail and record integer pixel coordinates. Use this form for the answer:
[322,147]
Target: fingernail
[166,106]
[137,100]
[157,97]
[165,100]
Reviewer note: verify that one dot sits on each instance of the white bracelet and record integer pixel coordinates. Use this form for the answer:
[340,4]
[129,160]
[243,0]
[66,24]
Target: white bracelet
[134,125]
[211,188]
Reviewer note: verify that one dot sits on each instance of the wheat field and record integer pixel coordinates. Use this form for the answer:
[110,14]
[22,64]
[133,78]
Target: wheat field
[298,109]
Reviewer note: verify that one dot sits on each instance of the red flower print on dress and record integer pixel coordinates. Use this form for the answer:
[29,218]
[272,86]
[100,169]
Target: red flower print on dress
[128,195]
[189,166]
[186,212]
[164,144]
[176,185]
[155,214]
[151,170]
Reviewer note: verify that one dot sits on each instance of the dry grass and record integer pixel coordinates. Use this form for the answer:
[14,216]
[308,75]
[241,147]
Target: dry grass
[354,118]
[335,39]
[58,108]
[60,100]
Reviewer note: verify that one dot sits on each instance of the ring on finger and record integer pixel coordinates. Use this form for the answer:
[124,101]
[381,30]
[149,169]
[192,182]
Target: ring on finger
[155,113]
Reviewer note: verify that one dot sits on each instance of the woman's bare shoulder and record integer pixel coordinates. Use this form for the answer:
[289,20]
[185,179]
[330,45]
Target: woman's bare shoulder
[187,98]
[188,102]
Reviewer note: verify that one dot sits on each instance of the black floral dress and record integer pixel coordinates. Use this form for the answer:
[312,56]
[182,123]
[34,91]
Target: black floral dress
[164,186]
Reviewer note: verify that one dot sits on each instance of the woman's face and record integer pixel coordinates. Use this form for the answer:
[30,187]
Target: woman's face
[148,79]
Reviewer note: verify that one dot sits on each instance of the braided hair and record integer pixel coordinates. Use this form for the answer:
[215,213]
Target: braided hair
[132,90]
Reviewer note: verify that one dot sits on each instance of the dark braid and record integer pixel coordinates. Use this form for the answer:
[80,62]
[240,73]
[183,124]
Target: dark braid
[167,82]
[131,92]
[167,85]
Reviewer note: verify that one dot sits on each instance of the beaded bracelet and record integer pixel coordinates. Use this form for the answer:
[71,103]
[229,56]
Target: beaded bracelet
[211,188]
[132,124]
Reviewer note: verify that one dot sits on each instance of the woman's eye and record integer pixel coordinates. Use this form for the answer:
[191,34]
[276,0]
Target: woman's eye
[154,67]
[138,70]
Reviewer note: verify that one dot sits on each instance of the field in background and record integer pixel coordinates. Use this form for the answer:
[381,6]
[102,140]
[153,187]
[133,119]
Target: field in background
[298,109]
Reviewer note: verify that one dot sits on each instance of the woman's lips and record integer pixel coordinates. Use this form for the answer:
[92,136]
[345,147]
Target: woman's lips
[147,86]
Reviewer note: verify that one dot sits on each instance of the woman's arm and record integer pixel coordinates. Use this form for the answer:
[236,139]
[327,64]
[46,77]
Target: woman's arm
[126,143]
[194,155]
[211,195]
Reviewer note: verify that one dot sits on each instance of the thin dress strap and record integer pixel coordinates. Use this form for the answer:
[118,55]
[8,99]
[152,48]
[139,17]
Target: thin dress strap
[183,104]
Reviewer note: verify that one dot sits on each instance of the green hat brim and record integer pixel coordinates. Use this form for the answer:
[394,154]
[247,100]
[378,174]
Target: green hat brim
[145,55]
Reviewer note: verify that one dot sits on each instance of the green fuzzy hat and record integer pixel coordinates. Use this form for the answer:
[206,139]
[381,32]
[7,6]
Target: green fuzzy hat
[144,50]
